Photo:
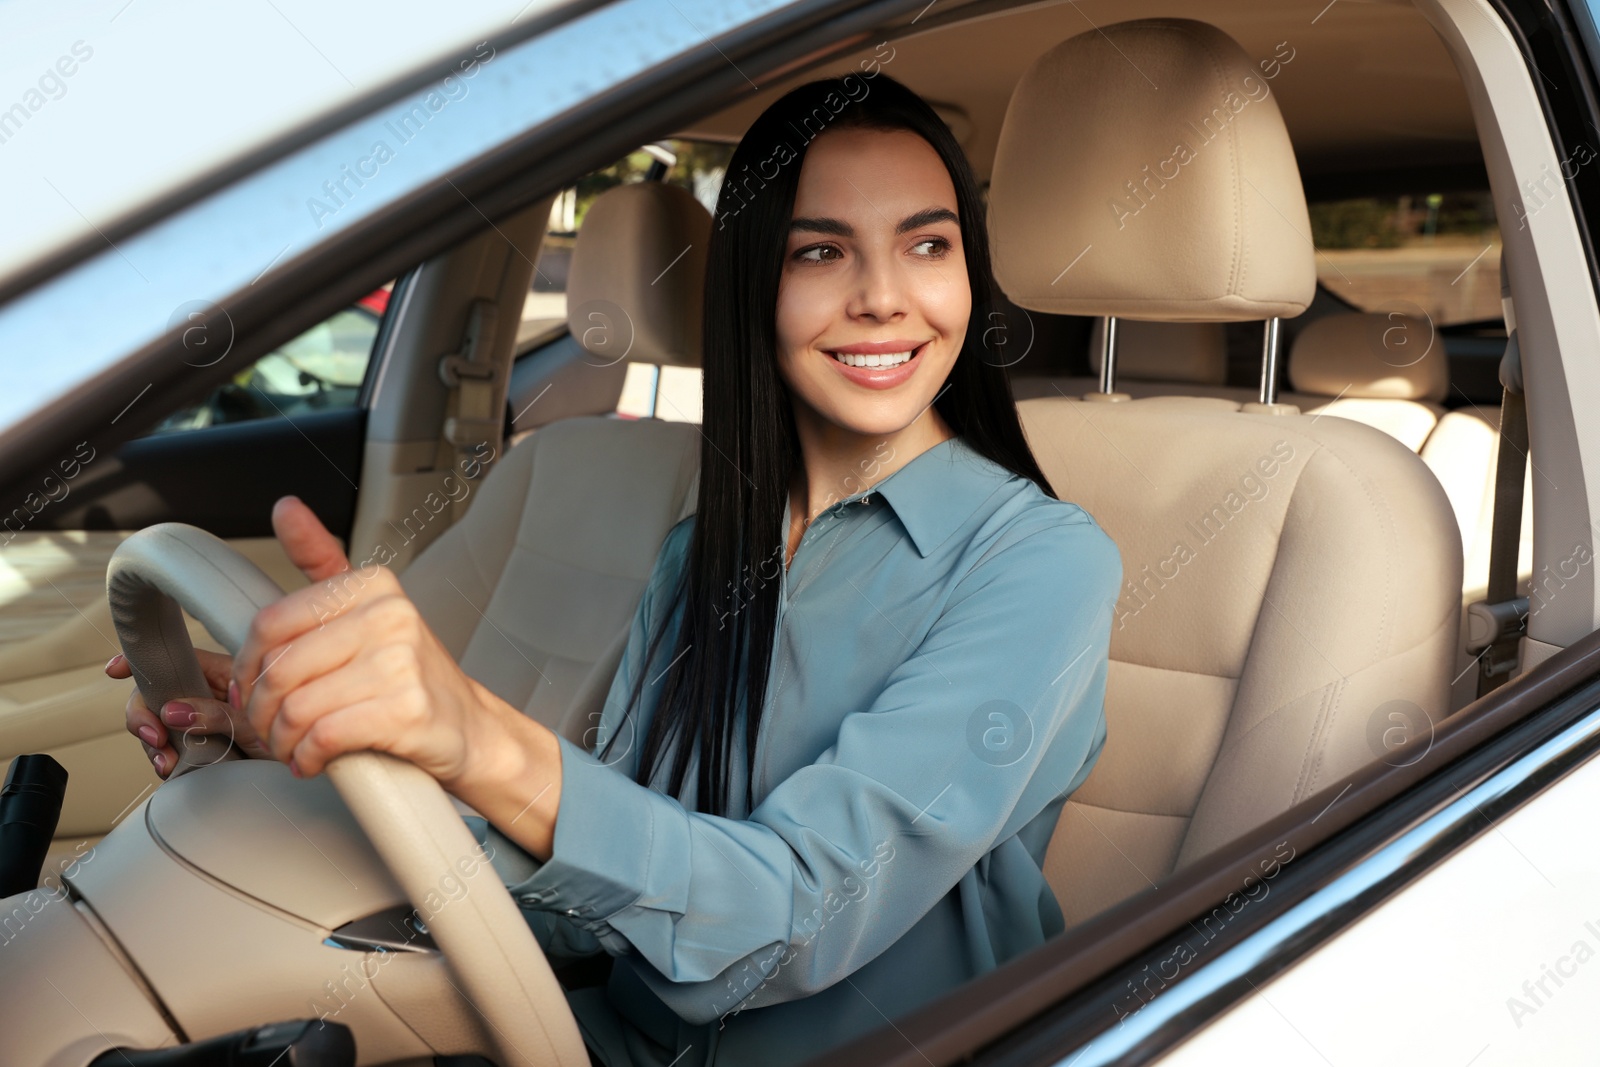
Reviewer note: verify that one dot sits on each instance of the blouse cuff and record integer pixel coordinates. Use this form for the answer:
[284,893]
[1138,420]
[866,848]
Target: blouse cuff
[601,856]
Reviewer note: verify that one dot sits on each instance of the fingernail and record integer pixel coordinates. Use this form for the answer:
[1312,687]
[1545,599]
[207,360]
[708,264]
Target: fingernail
[112,662]
[233,693]
[157,759]
[148,733]
[178,713]
[294,768]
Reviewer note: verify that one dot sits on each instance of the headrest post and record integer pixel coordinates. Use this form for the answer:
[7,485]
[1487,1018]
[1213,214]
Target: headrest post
[1108,354]
[1270,340]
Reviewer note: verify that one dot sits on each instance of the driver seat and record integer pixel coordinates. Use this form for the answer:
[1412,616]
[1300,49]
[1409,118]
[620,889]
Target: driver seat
[1291,584]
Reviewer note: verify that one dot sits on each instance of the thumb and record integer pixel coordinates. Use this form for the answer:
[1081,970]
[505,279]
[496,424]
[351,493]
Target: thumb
[306,541]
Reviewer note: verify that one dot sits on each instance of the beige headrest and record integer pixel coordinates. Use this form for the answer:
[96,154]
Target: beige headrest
[1144,171]
[638,270]
[1190,352]
[1376,356]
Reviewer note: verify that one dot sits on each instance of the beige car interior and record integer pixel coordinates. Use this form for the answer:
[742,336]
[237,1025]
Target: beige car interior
[1355,366]
[533,605]
[1153,359]
[1294,571]
[54,695]
[1283,573]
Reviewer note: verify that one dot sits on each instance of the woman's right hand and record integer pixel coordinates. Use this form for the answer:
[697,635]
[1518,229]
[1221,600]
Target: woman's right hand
[207,720]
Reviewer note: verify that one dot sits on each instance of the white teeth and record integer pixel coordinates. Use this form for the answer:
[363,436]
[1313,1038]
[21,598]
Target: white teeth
[889,359]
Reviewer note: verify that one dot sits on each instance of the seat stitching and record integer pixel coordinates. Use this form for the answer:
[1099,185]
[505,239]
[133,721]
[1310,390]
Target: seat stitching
[1229,746]
[1384,515]
[1130,811]
[1316,744]
[1272,568]
[1335,706]
[1311,741]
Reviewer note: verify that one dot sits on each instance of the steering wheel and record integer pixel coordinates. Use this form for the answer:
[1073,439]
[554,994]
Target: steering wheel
[409,818]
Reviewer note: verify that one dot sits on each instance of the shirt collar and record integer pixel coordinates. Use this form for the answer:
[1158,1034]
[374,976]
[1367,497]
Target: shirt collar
[939,490]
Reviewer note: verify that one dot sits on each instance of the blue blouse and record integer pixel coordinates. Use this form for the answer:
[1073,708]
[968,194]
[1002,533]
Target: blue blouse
[935,693]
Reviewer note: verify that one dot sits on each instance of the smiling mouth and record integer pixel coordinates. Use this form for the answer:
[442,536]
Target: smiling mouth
[883,360]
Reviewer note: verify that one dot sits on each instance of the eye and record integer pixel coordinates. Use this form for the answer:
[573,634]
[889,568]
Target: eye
[818,254]
[933,247]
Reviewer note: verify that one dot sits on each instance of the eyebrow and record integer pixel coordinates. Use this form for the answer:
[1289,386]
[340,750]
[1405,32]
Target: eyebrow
[840,228]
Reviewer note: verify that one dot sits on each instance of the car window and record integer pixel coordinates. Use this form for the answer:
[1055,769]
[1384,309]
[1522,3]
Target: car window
[671,393]
[320,370]
[1437,252]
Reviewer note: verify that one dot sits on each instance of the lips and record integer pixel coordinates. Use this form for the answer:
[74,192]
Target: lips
[866,348]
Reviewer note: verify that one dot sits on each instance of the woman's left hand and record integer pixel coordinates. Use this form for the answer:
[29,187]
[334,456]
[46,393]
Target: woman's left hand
[348,664]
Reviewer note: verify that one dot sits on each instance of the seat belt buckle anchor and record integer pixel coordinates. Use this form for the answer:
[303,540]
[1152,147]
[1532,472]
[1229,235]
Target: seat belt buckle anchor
[455,366]
[1493,630]
[462,432]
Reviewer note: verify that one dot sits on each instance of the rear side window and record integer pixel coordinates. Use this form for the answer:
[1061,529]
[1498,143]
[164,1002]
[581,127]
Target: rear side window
[1434,252]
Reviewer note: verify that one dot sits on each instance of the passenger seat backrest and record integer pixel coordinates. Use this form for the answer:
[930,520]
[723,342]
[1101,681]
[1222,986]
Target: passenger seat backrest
[1390,371]
[1283,583]
[1286,578]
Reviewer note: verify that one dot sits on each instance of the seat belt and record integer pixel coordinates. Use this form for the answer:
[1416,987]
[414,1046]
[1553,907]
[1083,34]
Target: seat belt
[1498,623]
[473,425]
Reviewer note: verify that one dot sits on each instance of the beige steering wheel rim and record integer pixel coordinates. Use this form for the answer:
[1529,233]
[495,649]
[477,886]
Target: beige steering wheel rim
[409,818]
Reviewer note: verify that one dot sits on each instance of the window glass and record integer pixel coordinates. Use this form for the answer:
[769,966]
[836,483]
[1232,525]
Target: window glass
[1437,252]
[321,370]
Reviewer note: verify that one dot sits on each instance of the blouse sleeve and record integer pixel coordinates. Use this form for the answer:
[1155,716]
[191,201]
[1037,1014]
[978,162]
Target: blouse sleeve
[1003,696]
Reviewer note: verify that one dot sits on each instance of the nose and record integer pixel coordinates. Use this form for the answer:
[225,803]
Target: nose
[880,291]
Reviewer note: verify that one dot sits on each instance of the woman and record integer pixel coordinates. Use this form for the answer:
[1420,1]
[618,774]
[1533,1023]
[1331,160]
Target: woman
[877,568]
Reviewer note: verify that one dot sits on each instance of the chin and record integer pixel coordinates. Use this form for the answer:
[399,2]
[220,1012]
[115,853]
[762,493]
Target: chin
[873,420]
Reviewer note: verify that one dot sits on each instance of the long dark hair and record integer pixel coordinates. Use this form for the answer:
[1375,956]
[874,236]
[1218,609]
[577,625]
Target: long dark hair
[728,593]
